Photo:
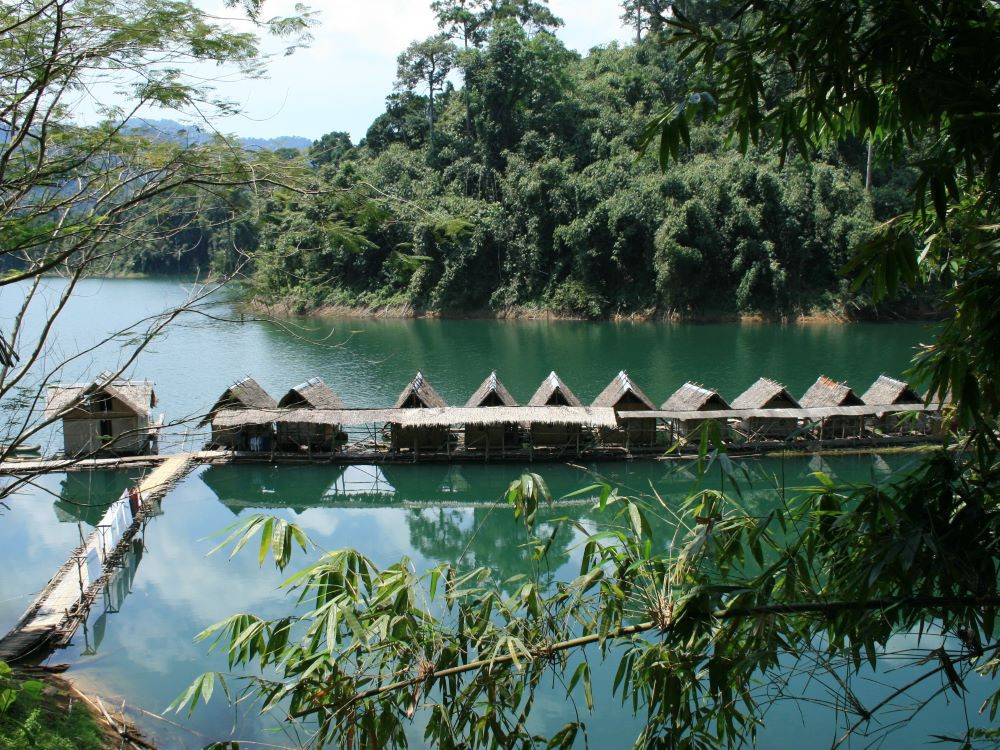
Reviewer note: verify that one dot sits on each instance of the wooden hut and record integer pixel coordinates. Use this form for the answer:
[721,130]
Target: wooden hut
[767,394]
[243,394]
[314,437]
[492,435]
[419,394]
[105,416]
[886,391]
[693,397]
[554,392]
[828,393]
[623,395]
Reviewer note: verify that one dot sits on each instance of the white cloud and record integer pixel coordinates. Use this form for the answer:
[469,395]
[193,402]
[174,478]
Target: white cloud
[340,82]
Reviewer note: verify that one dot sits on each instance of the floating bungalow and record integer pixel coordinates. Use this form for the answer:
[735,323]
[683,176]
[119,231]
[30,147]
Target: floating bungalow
[419,394]
[105,416]
[886,391]
[623,395]
[767,394]
[245,394]
[554,392]
[312,437]
[826,392]
[492,433]
[694,397]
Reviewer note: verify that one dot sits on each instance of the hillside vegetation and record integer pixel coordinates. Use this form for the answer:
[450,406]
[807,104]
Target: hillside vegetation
[507,173]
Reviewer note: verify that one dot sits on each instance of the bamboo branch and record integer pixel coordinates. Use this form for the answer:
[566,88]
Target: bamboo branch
[824,608]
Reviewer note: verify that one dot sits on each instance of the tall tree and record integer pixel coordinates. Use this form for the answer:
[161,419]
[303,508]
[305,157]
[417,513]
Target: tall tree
[70,195]
[426,65]
[533,15]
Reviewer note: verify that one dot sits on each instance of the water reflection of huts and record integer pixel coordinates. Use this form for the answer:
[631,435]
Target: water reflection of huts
[554,423]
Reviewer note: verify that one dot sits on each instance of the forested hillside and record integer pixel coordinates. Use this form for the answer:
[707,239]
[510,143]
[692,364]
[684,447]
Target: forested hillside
[506,173]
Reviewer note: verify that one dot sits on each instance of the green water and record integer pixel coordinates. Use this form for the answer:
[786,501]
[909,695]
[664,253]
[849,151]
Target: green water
[137,646]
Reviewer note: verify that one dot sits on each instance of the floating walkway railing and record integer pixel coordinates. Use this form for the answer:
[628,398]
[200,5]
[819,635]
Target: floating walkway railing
[65,602]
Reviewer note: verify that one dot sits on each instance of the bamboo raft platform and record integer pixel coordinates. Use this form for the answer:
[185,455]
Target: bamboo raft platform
[64,603]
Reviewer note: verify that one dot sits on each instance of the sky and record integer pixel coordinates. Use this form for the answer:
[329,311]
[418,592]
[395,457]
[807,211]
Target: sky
[341,80]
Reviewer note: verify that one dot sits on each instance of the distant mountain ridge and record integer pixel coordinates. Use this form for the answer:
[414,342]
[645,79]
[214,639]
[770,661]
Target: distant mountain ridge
[194,134]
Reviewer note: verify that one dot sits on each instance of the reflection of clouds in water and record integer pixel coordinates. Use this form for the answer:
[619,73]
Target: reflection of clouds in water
[34,543]
[463,519]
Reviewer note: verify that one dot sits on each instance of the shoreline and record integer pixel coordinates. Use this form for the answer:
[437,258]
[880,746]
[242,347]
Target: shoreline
[527,313]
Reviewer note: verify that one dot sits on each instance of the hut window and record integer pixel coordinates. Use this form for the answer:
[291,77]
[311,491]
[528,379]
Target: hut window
[105,426]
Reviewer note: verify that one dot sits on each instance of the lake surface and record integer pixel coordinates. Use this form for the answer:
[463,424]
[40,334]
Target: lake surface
[138,645]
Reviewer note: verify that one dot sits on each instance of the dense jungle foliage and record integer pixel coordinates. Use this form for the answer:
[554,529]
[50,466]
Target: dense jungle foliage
[506,172]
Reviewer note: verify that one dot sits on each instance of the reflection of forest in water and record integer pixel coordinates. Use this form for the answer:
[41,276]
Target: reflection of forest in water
[459,513]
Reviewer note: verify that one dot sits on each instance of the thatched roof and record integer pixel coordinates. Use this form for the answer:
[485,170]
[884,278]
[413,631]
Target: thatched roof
[827,392]
[813,413]
[693,397]
[420,390]
[888,390]
[491,393]
[312,393]
[763,394]
[227,418]
[243,394]
[137,395]
[581,415]
[554,392]
[618,389]
[430,417]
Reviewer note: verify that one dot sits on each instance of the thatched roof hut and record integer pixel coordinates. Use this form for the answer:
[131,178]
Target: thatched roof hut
[623,393]
[419,393]
[107,414]
[312,394]
[765,394]
[886,390]
[311,436]
[693,397]
[491,392]
[243,394]
[136,396]
[554,392]
[828,392]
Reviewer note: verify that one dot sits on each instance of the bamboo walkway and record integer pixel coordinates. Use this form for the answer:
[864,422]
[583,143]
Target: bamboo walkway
[63,605]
